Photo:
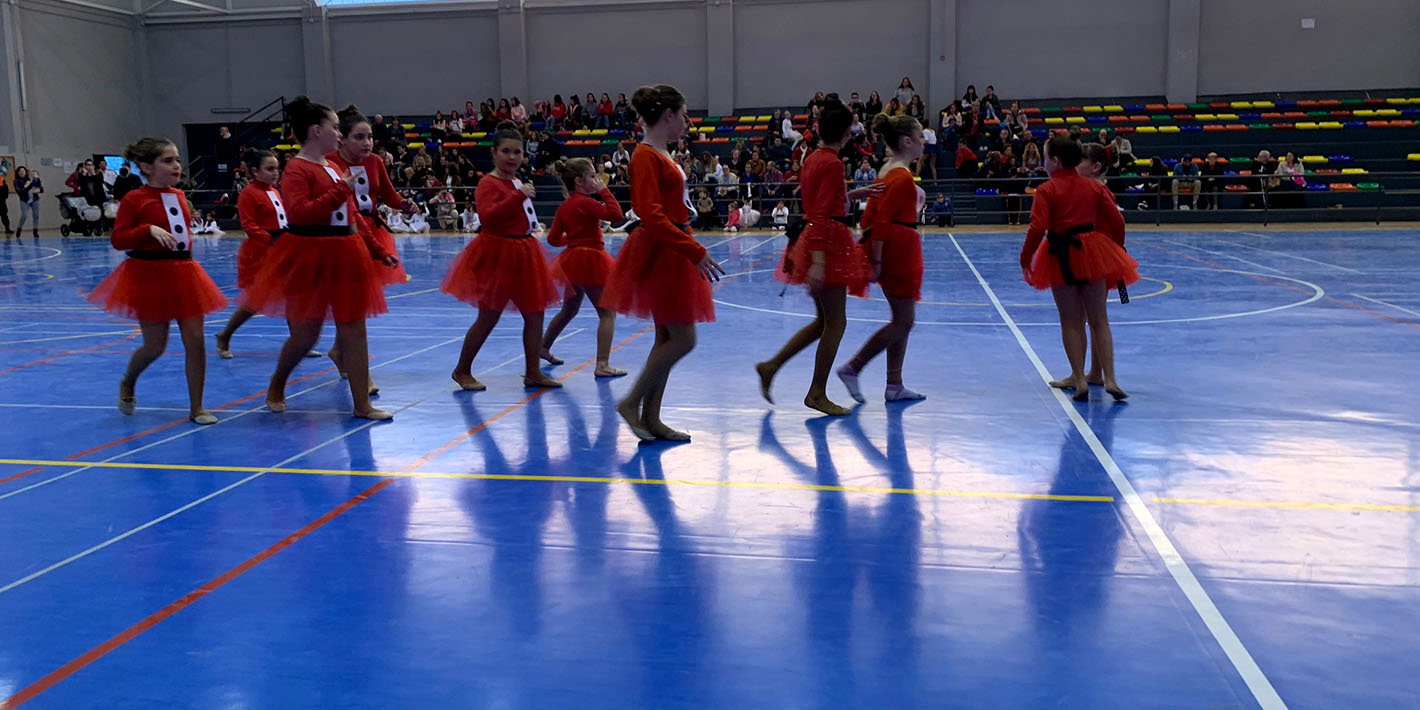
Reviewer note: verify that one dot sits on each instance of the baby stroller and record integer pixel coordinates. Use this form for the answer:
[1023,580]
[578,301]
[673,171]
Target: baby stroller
[83,217]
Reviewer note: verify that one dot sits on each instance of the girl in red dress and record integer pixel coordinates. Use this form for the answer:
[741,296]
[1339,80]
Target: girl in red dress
[323,267]
[159,282]
[582,267]
[825,257]
[1074,248]
[661,272]
[263,219]
[372,187]
[895,248]
[1094,166]
[504,266]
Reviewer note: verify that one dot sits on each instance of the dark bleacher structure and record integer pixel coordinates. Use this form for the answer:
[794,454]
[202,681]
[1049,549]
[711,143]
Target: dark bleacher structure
[1360,153]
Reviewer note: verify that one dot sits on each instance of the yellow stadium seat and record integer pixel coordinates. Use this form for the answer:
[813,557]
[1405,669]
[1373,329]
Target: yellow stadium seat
[1309,159]
[1148,129]
[1169,129]
[407,126]
[764,119]
[1241,104]
[1413,157]
[1263,104]
[1205,117]
[1074,119]
[1054,121]
[1307,126]
[1330,125]
[1093,109]
[1363,113]
[599,132]
[1388,113]
[1114,108]
[1353,171]
[1398,101]
[582,132]
[1227,117]
[1142,162]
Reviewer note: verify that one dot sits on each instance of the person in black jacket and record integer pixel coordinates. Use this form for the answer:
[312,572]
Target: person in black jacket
[1212,182]
[126,183]
[5,202]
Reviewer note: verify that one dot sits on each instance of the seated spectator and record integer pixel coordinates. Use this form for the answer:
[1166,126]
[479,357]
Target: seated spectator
[730,185]
[559,113]
[468,219]
[1156,184]
[873,107]
[1291,179]
[780,214]
[622,156]
[456,125]
[969,98]
[446,210]
[576,114]
[786,130]
[625,116]
[1185,179]
[470,114]
[505,111]
[1121,151]
[815,103]
[518,111]
[1213,171]
[774,178]
[940,211]
[990,103]
[865,174]
[917,110]
[742,217]
[605,110]
[905,92]
[439,127]
[895,107]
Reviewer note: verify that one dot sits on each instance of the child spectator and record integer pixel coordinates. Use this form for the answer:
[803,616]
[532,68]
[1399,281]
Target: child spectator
[781,216]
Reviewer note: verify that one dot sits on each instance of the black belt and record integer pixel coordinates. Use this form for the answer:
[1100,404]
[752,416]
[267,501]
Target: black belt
[798,226]
[1059,243]
[320,231]
[378,218]
[867,233]
[183,255]
[634,225]
[506,236]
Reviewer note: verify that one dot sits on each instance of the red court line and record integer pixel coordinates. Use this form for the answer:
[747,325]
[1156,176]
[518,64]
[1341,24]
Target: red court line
[156,429]
[67,353]
[1330,299]
[56,676]
[60,674]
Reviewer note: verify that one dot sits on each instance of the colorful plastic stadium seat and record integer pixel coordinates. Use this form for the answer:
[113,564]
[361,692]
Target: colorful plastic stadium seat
[1214,127]
[1075,119]
[1178,108]
[1283,126]
[1318,187]
[1294,114]
[1397,101]
[1241,104]
[1340,159]
[1169,129]
[1405,123]
[1368,186]
[1114,108]
[1147,129]
[1227,117]
[1314,159]
[1342,187]
[1193,129]
[1236,127]
[988,191]
[1388,112]
[1307,126]
[1235,187]
[1413,157]
[1138,118]
[1330,125]
[1032,111]
[1354,171]
[1092,109]
[1204,116]
[1271,116]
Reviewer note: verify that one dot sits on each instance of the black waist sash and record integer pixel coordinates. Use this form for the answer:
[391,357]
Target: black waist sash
[636,224]
[1059,243]
[183,255]
[320,230]
[506,236]
[868,232]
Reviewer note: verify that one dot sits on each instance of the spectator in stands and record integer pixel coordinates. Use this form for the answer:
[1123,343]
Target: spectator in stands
[468,219]
[575,114]
[1185,180]
[1005,140]
[969,98]
[470,114]
[738,158]
[965,161]
[625,117]
[950,126]
[781,216]
[1121,151]
[991,103]
[126,183]
[622,176]
[439,127]
[714,171]
[708,217]
[865,174]
[815,102]
[905,91]
[559,113]
[548,149]
[786,130]
[773,178]
[1018,120]
[874,106]
[894,107]
[1264,169]
[755,164]
[730,185]
[605,111]
[456,127]
[917,110]
[855,103]
[622,156]
[226,156]
[1157,183]
[446,211]
[973,125]
[857,128]
[1212,181]
[380,131]
[504,112]
[680,152]
[519,112]
[590,108]
[1291,174]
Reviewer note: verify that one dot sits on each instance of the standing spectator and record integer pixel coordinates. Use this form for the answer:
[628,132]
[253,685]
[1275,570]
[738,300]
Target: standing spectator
[1185,179]
[708,217]
[559,113]
[917,110]
[904,92]
[226,156]
[873,107]
[91,185]
[605,110]
[380,131]
[965,161]
[5,203]
[28,188]
[1212,181]
[519,112]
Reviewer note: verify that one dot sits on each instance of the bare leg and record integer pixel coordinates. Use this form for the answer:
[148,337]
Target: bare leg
[639,407]
[679,344]
[304,334]
[354,350]
[224,338]
[1094,378]
[532,347]
[797,342]
[831,304]
[472,342]
[195,347]
[606,330]
[155,341]
[1072,335]
[904,313]
[1095,294]
[571,304]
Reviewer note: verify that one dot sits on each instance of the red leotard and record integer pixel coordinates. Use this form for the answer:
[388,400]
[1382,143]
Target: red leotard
[377,190]
[311,278]
[825,195]
[655,274]
[503,267]
[887,218]
[584,263]
[155,291]
[258,217]
[1065,201]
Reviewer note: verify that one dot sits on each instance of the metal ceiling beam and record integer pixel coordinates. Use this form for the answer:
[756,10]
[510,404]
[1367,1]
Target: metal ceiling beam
[187,3]
[95,6]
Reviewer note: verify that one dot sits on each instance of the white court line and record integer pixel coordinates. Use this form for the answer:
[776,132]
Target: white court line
[239,415]
[1222,254]
[1252,675]
[109,407]
[16,327]
[746,251]
[117,538]
[70,337]
[56,253]
[1385,303]
[1285,254]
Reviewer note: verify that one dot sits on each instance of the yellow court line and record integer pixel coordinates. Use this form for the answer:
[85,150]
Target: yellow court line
[1376,507]
[571,479]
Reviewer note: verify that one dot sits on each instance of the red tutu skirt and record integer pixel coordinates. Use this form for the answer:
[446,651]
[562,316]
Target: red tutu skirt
[587,267]
[845,261]
[652,281]
[387,276]
[318,278]
[158,291]
[1097,257]
[902,260]
[502,273]
[249,260]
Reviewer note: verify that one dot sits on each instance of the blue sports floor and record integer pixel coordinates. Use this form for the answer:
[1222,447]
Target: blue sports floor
[1241,533]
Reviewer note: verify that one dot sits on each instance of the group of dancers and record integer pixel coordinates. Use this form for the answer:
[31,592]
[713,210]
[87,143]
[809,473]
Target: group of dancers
[316,250]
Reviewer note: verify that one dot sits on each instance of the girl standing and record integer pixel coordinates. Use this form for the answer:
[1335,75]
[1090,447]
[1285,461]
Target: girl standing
[824,257]
[159,282]
[263,219]
[28,189]
[503,267]
[1073,248]
[324,266]
[582,267]
[895,247]
[661,272]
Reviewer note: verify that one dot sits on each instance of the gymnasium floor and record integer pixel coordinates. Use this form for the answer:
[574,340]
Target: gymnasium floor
[1242,533]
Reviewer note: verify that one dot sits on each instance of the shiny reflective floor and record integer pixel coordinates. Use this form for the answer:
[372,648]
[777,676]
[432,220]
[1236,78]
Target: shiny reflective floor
[1241,533]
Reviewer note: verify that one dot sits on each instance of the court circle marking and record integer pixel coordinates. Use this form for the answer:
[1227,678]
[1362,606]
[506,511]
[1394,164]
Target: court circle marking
[56,253]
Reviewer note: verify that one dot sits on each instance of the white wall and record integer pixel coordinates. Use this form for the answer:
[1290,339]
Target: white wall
[1259,45]
[415,64]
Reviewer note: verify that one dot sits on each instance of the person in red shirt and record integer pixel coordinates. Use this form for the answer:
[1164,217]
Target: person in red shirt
[324,266]
[1074,247]
[504,266]
[890,227]
[159,282]
[1095,166]
[824,256]
[605,109]
[661,272]
[582,267]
